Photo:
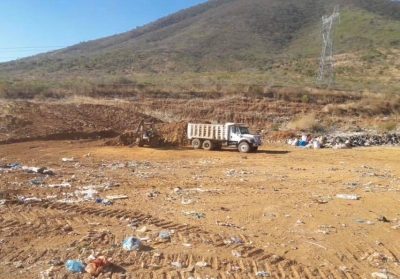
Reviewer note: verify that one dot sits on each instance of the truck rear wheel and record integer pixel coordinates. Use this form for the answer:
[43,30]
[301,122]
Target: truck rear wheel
[196,143]
[244,147]
[208,145]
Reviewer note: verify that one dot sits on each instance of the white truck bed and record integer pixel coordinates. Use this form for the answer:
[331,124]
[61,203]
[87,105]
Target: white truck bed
[207,131]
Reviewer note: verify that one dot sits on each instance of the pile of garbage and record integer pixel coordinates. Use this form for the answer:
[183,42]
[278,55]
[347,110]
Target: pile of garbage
[343,141]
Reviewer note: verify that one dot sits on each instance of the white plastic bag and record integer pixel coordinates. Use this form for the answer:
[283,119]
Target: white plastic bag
[131,243]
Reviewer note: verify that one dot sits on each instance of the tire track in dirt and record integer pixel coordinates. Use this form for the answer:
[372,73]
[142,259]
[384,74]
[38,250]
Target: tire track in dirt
[253,258]
[360,255]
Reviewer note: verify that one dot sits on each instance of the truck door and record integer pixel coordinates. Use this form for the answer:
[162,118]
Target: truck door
[234,134]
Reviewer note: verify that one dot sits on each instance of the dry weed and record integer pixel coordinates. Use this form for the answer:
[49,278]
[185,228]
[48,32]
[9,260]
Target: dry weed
[306,122]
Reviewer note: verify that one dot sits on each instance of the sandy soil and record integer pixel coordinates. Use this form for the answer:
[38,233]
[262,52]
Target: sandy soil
[277,209]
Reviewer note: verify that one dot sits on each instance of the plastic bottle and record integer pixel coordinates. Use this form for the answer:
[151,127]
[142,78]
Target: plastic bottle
[347,196]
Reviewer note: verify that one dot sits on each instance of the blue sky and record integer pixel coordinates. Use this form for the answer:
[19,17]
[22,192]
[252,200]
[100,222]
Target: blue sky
[28,27]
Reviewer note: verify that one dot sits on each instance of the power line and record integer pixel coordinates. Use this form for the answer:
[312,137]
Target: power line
[26,50]
[28,47]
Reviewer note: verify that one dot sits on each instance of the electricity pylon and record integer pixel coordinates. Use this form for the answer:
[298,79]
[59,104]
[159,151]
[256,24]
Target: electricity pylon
[325,72]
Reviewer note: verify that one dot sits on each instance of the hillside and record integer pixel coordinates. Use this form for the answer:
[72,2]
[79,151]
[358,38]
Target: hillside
[224,43]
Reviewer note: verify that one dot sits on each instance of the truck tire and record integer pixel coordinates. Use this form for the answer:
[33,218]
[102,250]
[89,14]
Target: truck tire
[208,145]
[244,147]
[196,143]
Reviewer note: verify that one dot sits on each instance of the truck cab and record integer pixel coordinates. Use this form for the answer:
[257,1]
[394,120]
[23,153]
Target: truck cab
[239,134]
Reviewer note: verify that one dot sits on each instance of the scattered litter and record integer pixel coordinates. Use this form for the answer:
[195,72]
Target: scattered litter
[270,214]
[68,159]
[194,213]
[379,275]
[358,220]
[201,190]
[201,264]
[228,225]
[321,200]
[383,219]
[131,243]
[262,274]
[48,273]
[18,264]
[343,141]
[348,197]
[177,190]
[351,183]
[343,268]
[163,236]
[153,194]
[299,222]
[31,199]
[236,253]
[186,201]
[176,264]
[316,244]
[116,197]
[7,166]
[35,182]
[97,265]
[74,266]
[60,185]
[107,202]
[89,193]
[142,230]
[43,170]
[236,240]
[396,227]
[326,229]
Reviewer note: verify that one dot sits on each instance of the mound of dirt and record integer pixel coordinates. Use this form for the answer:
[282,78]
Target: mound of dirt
[126,138]
[278,135]
[25,121]
[170,133]
[173,133]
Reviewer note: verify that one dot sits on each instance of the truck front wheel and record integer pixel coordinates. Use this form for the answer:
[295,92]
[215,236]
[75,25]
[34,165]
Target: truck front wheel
[208,145]
[244,147]
[196,143]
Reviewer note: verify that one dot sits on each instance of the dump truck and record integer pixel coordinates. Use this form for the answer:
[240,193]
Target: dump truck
[214,136]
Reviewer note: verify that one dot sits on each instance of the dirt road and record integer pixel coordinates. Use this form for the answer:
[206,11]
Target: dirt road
[229,215]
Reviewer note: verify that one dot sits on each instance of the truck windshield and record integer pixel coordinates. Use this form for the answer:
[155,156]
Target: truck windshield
[244,130]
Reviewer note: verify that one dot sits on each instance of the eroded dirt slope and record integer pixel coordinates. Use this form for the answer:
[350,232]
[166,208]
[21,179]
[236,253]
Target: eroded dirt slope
[24,121]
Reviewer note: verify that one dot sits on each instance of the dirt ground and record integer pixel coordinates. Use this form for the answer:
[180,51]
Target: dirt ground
[276,209]
[273,213]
